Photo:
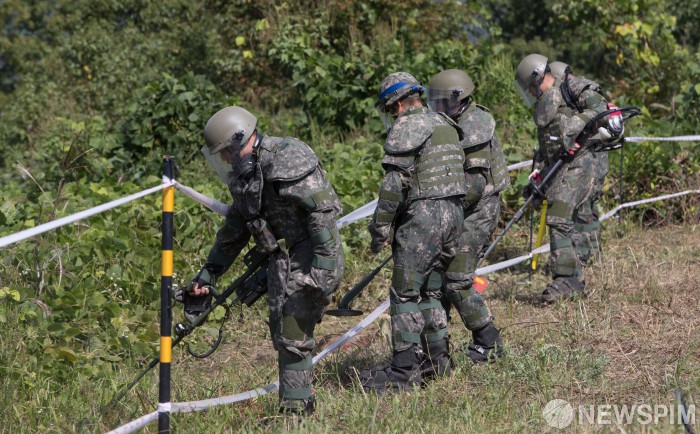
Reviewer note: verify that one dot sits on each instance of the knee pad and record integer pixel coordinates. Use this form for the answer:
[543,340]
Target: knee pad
[406,282]
[471,308]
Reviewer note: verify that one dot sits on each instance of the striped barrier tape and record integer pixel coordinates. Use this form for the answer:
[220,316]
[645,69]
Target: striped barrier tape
[136,424]
[213,204]
[362,212]
[28,233]
[663,139]
[207,403]
[220,208]
[614,211]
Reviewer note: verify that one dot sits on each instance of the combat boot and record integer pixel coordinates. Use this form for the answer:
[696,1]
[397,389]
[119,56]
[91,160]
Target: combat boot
[486,346]
[562,288]
[402,375]
[436,360]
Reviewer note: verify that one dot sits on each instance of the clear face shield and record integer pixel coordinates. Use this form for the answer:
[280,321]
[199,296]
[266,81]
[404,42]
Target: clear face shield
[396,92]
[222,162]
[530,92]
[386,114]
[446,101]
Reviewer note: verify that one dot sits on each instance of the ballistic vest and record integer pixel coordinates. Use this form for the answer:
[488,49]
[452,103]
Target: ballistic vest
[482,148]
[425,145]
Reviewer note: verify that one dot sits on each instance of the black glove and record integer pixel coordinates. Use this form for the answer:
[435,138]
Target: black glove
[568,154]
[196,305]
[204,277]
[533,186]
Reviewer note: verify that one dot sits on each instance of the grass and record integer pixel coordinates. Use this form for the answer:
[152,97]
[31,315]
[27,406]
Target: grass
[634,339]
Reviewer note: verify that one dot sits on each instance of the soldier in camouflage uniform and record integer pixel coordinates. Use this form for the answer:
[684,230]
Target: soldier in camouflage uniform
[559,130]
[282,197]
[486,175]
[581,94]
[419,213]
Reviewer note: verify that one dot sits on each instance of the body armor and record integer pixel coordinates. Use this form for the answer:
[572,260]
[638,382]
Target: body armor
[425,145]
[482,148]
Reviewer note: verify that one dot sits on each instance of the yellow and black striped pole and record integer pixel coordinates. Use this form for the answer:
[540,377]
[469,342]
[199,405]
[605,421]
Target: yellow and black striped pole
[166,284]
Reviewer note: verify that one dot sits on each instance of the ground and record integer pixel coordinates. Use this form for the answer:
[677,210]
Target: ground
[633,341]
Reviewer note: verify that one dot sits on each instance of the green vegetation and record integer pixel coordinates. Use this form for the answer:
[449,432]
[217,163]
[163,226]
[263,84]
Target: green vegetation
[94,93]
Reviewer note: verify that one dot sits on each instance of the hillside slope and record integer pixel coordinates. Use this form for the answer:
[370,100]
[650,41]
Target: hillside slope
[633,340]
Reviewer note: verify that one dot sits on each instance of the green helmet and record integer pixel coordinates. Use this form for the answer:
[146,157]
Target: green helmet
[393,88]
[559,70]
[449,90]
[529,76]
[230,126]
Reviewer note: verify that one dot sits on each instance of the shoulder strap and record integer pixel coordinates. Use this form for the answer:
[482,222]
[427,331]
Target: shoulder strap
[568,98]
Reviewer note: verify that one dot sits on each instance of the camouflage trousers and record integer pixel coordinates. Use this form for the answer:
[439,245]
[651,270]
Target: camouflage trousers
[427,239]
[296,305]
[590,232]
[569,196]
[480,221]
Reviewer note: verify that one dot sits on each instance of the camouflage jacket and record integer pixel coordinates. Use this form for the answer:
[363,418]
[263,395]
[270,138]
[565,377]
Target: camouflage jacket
[559,126]
[582,94]
[422,160]
[295,200]
[485,165]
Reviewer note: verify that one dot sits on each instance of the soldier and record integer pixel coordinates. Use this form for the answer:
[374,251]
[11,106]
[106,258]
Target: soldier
[420,213]
[282,197]
[559,131]
[486,175]
[582,94]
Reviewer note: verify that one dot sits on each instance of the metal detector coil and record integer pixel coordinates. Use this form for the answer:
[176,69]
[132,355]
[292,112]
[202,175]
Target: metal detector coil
[344,305]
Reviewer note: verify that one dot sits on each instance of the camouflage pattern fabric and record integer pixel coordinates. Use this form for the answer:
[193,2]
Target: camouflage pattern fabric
[420,163]
[486,174]
[568,205]
[480,221]
[485,164]
[427,239]
[426,223]
[569,192]
[299,207]
[586,94]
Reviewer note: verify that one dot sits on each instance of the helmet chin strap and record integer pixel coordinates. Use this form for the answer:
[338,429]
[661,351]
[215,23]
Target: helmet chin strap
[465,105]
[258,139]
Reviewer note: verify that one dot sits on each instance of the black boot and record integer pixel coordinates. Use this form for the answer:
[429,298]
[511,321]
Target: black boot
[436,360]
[562,288]
[486,346]
[401,376]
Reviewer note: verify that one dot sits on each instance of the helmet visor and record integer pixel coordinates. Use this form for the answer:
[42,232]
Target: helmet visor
[532,92]
[448,101]
[386,114]
[222,162]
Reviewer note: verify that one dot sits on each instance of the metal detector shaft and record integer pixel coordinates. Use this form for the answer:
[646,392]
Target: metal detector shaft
[519,214]
[252,268]
[136,379]
[344,304]
[218,301]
